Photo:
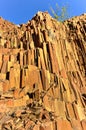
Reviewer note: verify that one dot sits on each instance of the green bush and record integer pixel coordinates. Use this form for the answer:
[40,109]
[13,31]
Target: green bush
[60,13]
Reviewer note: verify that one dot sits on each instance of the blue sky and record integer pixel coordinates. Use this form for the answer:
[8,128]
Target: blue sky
[20,11]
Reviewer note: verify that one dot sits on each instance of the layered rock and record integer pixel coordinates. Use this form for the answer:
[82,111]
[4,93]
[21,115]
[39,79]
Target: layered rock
[43,74]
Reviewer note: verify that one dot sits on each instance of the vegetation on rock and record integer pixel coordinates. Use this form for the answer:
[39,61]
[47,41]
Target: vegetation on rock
[61,13]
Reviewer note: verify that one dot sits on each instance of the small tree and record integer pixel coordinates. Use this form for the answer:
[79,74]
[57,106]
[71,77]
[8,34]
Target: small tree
[61,13]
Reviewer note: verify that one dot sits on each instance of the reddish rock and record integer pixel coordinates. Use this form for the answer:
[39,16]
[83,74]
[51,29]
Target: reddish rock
[63,125]
[70,111]
[47,126]
[6,86]
[36,127]
[83,123]
[76,125]
[10,103]
[16,93]
[43,74]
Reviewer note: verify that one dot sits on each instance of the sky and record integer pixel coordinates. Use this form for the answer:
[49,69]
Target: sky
[20,11]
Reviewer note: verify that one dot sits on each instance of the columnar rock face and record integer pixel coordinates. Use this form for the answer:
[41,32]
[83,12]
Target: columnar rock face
[43,74]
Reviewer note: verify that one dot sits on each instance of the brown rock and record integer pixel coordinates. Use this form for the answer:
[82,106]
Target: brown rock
[70,111]
[47,126]
[43,74]
[63,125]
[76,125]
[83,123]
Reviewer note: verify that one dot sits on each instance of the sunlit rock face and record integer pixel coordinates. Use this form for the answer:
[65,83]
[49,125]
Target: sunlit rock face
[43,74]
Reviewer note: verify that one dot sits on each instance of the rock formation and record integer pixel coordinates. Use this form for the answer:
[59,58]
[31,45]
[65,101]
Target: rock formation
[43,74]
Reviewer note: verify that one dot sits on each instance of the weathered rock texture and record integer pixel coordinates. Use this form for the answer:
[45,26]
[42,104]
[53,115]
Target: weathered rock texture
[43,74]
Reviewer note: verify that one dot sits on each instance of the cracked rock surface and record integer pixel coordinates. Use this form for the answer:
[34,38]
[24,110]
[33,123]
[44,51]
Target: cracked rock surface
[43,74]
